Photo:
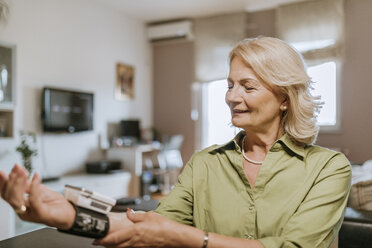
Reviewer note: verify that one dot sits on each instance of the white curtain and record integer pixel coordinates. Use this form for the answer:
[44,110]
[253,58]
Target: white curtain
[214,38]
[315,28]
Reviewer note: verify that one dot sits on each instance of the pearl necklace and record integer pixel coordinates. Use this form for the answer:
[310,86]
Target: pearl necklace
[248,159]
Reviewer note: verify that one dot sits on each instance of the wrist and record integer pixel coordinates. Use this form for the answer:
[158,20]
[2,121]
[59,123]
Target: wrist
[118,221]
[205,240]
[69,218]
[186,236]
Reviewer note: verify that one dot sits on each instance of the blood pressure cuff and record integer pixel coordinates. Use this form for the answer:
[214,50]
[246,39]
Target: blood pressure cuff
[89,224]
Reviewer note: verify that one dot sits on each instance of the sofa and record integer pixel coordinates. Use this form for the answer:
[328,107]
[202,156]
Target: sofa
[356,229]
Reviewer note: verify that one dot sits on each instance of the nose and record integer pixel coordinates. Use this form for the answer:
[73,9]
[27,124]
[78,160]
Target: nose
[233,95]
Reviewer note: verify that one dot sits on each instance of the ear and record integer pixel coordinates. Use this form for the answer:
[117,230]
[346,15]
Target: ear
[285,104]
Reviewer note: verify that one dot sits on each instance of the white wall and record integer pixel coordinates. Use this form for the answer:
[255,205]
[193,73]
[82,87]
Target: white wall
[74,44]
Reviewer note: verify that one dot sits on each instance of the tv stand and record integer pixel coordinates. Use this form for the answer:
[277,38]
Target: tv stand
[133,160]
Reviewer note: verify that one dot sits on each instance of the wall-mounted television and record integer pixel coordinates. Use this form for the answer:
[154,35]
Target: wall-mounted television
[66,110]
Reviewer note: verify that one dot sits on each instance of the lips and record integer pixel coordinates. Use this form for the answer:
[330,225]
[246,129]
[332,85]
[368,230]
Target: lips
[239,111]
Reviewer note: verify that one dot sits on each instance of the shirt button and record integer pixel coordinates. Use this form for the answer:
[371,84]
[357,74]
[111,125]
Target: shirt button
[251,208]
[249,236]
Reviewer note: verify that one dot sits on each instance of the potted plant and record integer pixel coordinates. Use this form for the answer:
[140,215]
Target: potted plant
[28,140]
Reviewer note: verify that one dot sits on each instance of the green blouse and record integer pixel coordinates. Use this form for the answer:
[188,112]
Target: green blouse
[299,197]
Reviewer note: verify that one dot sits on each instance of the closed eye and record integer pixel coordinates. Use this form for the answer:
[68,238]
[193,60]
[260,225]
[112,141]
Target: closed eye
[249,84]
[230,84]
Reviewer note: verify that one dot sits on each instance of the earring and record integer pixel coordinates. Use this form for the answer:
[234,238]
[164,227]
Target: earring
[284,108]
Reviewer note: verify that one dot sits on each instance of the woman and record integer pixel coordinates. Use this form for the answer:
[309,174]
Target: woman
[268,187]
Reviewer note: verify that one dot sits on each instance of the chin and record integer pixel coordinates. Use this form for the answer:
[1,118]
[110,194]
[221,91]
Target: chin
[239,123]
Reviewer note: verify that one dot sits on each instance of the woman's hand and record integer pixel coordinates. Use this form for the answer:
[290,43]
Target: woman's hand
[118,221]
[42,204]
[148,230]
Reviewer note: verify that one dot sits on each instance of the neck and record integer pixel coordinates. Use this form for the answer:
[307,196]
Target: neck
[261,141]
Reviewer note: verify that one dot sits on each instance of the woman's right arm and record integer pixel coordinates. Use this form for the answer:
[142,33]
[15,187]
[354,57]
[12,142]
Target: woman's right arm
[43,205]
[178,204]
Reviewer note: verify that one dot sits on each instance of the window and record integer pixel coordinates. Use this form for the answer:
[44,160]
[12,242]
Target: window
[216,127]
[325,86]
[216,122]
[319,37]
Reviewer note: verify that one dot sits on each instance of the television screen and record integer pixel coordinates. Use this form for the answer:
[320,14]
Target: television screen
[67,111]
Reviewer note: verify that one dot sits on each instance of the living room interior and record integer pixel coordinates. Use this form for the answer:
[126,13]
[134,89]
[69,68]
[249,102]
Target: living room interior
[76,45]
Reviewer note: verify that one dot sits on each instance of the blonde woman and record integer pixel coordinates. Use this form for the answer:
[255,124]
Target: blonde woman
[268,187]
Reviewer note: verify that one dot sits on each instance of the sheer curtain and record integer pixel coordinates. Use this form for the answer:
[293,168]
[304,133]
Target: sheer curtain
[315,28]
[214,38]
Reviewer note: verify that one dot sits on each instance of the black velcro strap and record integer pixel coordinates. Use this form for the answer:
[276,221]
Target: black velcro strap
[89,224]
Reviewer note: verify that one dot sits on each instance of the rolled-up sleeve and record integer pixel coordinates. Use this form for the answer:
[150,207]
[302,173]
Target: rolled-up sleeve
[318,219]
[178,205]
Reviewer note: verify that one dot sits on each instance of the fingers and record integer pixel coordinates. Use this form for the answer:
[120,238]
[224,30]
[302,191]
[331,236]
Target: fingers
[33,203]
[35,183]
[15,187]
[19,170]
[135,217]
[118,221]
[22,170]
[119,236]
[123,237]
[34,196]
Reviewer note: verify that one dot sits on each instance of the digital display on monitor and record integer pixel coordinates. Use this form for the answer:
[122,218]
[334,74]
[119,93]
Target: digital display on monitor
[65,110]
[130,128]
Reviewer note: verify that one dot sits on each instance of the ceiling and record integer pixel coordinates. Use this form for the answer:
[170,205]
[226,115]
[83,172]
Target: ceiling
[159,10]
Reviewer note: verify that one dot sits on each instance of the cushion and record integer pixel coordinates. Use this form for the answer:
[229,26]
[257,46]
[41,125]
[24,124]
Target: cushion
[361,189]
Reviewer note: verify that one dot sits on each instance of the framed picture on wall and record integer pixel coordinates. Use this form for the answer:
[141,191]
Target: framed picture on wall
[7,63]
[124,88]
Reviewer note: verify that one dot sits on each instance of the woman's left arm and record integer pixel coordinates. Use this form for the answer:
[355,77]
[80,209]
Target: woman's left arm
[318,219]
[153,230]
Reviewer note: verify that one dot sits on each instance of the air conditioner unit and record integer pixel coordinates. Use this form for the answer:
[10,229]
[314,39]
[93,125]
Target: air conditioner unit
[170,31]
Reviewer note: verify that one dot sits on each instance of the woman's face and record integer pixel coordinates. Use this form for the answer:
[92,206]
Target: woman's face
[254,106]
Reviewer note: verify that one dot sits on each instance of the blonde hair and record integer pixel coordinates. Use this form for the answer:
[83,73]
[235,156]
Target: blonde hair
[282,68]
